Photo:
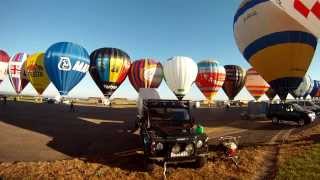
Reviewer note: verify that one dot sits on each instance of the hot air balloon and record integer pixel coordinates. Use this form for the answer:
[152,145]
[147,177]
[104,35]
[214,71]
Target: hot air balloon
[310,88]
[306,12]
[316,89]
[16,72]
[303,87]
[4,60]
[180,73]
[255,84]
[278,47]
[36,73]
[235,79]
[145,73]
[210,78]
[66,64]
[271,94]
[109,68]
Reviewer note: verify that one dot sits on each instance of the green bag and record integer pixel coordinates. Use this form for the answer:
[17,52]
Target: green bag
[199,129]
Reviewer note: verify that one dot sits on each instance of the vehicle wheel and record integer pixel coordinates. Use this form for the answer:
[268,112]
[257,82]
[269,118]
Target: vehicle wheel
[307,121]
[301,122]
[275,120]
[200,162]
[148,165]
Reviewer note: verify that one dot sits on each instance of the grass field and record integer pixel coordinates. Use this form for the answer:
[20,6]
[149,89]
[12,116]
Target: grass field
[303,166]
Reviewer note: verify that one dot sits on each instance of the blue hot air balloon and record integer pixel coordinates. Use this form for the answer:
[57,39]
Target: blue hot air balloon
[316,87]
[66,64]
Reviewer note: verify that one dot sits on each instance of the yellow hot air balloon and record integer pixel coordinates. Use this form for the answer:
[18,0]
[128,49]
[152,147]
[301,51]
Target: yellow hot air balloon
[278,47]
[36,72]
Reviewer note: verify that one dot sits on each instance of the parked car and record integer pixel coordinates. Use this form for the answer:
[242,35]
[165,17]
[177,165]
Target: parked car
[290,112]
[169,134]
[308,105]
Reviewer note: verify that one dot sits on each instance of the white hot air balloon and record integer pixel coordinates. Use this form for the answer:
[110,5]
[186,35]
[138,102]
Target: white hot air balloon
[180,73]
[305,12]
[303,88]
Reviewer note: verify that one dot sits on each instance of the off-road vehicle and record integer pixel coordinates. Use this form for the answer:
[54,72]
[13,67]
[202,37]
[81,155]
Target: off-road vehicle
[169,134]
[290,112]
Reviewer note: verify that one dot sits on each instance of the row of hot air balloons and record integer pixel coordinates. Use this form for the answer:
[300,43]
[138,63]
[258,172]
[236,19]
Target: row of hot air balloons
[65,64]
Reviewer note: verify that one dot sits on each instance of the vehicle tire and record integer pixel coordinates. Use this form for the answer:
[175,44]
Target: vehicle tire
[307,121]
[148,165]
[275,120]
[200,162]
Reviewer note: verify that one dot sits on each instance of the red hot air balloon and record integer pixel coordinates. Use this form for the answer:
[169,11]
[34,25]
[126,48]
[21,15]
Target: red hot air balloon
[235,79]
[16,72]
[210,78]
[255,84]
[4,60]
[145,73]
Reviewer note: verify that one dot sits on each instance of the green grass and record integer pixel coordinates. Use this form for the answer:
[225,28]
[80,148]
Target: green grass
[304,166]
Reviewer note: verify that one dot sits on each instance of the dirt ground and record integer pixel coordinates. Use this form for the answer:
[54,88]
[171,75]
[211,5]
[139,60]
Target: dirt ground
[47,141]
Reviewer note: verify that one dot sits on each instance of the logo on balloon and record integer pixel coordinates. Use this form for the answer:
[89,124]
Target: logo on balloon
[64,64]
[149,73]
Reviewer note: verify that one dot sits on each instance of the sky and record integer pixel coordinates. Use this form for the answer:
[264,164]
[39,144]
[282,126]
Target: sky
[156,29]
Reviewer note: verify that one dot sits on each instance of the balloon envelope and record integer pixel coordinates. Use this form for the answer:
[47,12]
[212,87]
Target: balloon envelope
[303,87]
[66,64]
[180,73]
[316,89]
[16,72]
[109,68]
[278,47]
[145,73]
[210,78]
[235,79]
[271,94]
[36,73]
[4,60]
[255,84]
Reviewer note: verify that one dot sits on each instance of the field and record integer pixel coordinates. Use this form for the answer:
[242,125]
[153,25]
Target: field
[41,141]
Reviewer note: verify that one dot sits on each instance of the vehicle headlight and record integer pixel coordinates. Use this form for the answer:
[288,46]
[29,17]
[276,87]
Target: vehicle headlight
[199,144]
[189,148]
[159,146]
[175,149]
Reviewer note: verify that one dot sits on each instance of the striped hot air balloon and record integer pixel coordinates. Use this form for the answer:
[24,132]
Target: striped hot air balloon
[235,79]
[316,89]
[255,84]
[145,73]
[210,78]
[4,60]
[16,72]
[271,94]
[279,48]
[109,68]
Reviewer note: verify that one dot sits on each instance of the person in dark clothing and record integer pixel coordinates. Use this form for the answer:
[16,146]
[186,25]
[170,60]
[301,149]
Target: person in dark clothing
[4,100]
[72,109]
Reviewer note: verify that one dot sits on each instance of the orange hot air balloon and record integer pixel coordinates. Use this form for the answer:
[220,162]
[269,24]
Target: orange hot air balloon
[255,84]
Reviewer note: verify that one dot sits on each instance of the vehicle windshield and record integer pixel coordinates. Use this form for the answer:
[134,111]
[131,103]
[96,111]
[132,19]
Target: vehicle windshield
[169,114]
[297,107]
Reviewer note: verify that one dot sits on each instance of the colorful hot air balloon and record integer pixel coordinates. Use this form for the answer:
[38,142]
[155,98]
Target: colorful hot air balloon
[66,64]
[310,88]
[255,84]
[4,60]
[316,89]
[303,87]
[36,73]
[180,73]
[210,78]
[271,94]
[109,68]
[145,73]
[16,72]
[278,47]
[235,79]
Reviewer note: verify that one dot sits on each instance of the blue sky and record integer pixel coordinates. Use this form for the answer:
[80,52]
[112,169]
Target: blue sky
[143,28]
